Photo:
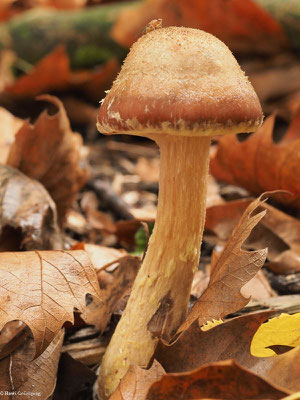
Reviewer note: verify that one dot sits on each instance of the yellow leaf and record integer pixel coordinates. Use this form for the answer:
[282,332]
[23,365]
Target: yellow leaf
[283,330]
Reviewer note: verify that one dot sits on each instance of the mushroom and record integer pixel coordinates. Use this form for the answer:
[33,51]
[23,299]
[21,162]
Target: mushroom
[178,86]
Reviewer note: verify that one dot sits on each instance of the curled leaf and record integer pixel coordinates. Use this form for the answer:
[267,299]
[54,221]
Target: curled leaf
[223,379]
[233,269]
[268,165]
[49,152]
[28,217]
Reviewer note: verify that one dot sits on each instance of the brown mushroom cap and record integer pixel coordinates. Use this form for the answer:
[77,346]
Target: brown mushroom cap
[180,81]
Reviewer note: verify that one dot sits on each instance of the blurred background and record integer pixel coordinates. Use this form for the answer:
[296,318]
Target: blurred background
[73,49]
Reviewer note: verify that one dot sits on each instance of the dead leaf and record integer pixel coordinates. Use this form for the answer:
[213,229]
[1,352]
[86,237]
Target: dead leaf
[278,231]
[9,127]
[137,381]
[51,73]
[96,218]
[230,340]
[114,287]
[31,378]
[242,26]
[223,379]
[233,269]
[257,288]
[88,352]
[282,370]
[102,257]
[268,165]
[28,218]
[57,281]
[11,337]
[196,347]
[50,152]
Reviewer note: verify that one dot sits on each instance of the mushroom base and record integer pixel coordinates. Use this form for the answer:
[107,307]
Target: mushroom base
[159,299]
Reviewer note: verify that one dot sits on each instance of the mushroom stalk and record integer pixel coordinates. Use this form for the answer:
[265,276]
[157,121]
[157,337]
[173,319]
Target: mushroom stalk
[159,299]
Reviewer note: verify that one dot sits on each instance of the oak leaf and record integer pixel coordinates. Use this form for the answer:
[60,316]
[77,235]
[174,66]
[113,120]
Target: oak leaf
[233,269]
[49,152]
[223,379]
[278,230]
[31,378]
[41,288]
[268,165]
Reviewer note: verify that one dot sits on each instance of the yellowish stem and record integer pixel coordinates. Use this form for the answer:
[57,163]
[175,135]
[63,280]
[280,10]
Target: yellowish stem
[159,298]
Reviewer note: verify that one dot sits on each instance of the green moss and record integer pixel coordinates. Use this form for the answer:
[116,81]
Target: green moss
[90,55]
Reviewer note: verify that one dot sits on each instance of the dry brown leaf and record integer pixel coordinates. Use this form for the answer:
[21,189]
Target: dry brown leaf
[50,152]
[52,72]
[88,352]
[102,257]
[278,231]
[196,347]
[223,379]
[230,340]
[30,378]
[9,125]
[116,271]
[137,381]
[243,26]
[42,288]
[11,337]
[258,288]
[114,287]
[283,370]
[233,269]
[28,218]
[96,218]
[268,165]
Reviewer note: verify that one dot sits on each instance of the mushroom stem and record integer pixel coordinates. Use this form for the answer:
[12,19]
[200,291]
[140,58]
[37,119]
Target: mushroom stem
[159,299]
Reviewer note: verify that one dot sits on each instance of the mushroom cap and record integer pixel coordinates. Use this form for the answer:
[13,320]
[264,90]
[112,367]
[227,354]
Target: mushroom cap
[180,81]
